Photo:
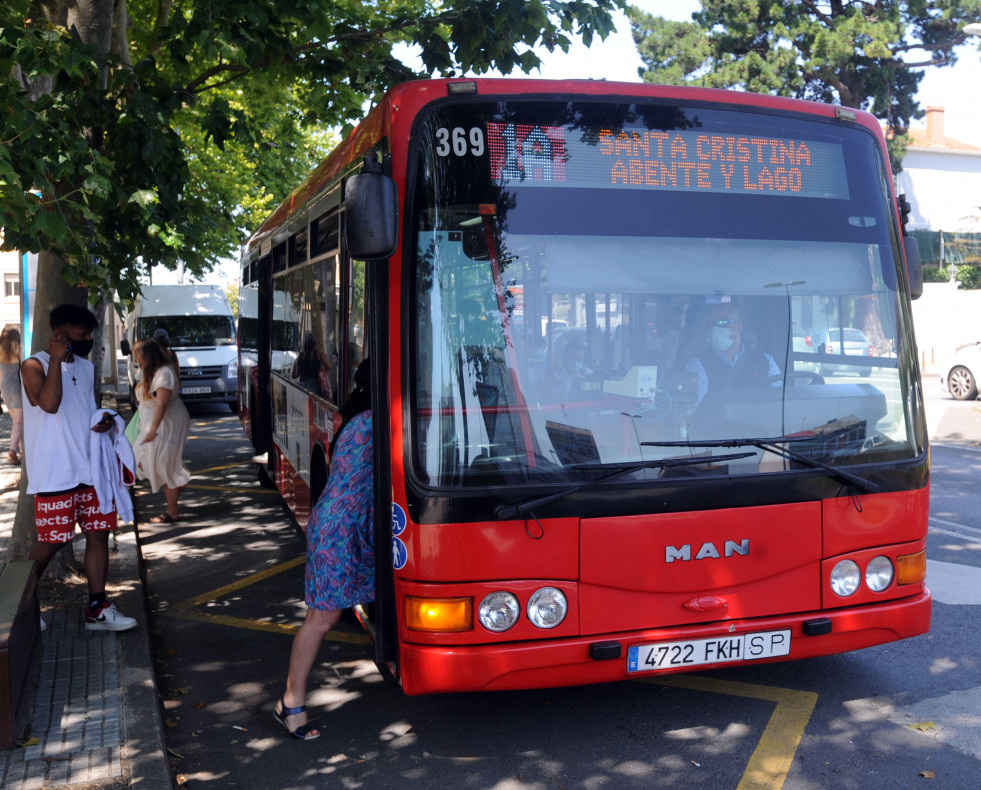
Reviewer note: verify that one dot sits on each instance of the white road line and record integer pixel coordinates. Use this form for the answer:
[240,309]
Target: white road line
[952,719]
[950,583]
[943,527]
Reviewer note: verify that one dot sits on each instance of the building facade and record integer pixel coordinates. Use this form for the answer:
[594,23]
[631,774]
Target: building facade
[941,178]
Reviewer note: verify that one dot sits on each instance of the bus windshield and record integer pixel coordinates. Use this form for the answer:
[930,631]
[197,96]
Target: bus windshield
[598,284]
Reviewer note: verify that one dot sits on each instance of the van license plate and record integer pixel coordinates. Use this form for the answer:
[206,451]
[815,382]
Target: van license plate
[195,390]
[720,649]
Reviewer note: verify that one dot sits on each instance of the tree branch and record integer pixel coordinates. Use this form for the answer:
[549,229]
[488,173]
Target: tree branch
[201,83]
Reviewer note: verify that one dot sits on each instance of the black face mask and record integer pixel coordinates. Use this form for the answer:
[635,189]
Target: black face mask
[81,348]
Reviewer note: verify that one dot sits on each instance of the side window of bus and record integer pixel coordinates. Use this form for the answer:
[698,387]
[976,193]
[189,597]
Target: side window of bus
[284,327]
[356,339]
[316,320]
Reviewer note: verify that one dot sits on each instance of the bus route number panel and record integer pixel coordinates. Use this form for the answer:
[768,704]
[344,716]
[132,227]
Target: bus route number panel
[717,650]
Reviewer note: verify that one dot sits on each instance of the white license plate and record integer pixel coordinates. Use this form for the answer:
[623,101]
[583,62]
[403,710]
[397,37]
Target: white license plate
[195,390]
[719,649]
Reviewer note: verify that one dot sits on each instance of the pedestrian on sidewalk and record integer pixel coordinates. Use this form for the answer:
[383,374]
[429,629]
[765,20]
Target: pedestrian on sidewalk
[10,393]
[340,566]
[59,389]
[164,425]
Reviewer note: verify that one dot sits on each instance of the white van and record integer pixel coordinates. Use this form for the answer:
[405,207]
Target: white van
[201,328]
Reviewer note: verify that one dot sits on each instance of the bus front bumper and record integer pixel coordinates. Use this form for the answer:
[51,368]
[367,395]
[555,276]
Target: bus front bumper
[429,669]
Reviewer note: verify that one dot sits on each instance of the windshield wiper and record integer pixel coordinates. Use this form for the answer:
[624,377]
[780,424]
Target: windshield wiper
[772,444]
[512,511]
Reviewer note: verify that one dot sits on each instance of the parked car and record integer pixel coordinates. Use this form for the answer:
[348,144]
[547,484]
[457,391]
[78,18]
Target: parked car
[959,376]
[801,344]
[829,341]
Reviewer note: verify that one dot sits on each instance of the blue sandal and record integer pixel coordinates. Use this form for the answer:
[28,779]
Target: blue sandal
[301,733]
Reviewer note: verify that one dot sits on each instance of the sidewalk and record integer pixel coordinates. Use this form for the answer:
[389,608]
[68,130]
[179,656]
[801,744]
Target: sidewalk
[97,721]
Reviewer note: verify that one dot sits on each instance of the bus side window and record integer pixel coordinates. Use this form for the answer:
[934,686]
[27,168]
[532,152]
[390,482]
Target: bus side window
[356,340]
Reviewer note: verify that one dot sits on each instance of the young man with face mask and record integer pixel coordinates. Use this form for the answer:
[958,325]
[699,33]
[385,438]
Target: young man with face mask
[727,363]
[59,401]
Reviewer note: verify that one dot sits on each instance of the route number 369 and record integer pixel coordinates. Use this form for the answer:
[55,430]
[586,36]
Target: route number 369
[459,141]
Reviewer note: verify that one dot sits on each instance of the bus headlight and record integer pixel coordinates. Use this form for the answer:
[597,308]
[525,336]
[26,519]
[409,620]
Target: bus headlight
[498,611]
[547,607]
[878,573]
[845,578]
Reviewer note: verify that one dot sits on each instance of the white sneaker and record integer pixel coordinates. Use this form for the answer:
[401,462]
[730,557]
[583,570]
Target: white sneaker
[109,618]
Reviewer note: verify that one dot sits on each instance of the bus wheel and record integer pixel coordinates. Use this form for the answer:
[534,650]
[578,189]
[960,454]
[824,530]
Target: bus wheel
[318,479]
[262,473]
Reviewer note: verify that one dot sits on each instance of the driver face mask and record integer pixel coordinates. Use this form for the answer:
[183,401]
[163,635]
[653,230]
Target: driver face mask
[720,338]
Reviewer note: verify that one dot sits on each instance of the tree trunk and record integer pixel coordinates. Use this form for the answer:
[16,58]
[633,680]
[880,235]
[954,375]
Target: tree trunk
[92,21]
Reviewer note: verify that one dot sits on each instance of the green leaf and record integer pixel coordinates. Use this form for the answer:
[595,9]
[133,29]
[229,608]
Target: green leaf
[143,197]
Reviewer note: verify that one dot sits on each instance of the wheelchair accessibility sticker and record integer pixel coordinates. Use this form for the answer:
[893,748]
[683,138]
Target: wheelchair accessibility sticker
[398,519]
[400,554]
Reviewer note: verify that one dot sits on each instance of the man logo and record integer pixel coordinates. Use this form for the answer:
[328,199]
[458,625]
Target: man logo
[708,551]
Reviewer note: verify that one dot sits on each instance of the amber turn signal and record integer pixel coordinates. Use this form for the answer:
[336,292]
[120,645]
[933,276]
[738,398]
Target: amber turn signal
[438,614]
[911,568]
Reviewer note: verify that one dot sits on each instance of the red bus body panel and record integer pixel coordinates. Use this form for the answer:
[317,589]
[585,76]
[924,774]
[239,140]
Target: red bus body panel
[657,578]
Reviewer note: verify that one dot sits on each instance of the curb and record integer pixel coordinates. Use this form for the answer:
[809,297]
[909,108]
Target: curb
[146,747]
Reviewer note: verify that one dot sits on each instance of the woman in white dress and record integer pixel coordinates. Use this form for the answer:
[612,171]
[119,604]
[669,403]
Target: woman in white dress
[164,424]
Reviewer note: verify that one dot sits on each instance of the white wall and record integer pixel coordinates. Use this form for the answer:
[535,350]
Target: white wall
[9,306]
[945,319]
[943,188]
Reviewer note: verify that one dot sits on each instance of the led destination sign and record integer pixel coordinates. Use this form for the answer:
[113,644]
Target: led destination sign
[641,158]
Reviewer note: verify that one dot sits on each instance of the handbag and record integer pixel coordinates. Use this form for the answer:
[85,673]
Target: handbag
[133,427]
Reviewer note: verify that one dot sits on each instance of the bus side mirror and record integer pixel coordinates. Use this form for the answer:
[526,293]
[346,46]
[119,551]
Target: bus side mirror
[914,267]
[371,215]
[124,347]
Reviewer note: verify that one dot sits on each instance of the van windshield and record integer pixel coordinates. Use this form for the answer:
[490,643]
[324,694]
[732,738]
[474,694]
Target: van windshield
[191,331]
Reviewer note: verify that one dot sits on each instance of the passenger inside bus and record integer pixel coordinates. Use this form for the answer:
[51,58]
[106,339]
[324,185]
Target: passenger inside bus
[571,372]
[311,367]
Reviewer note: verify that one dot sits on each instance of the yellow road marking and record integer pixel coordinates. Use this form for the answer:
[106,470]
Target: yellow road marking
[188,610]
[221,468]
[774,754]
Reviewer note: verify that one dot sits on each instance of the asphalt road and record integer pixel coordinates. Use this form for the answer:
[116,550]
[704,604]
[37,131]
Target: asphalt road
[226,592]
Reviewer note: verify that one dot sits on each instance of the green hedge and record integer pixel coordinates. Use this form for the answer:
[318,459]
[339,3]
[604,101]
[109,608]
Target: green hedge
[968,277]
[932,274]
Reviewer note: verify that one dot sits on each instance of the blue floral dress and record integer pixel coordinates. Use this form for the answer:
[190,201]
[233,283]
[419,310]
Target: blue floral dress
[340,569]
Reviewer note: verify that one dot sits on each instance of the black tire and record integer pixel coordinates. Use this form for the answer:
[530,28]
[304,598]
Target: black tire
[961,384]
[263,476]
[318,479]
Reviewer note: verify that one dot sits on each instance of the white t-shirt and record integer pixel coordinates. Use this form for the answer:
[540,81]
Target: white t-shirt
[57,445]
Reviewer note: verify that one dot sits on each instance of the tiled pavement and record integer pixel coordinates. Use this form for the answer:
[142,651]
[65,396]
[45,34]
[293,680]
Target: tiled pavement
[96,719]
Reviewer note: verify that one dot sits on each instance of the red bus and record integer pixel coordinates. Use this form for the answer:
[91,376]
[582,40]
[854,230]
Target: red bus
[613,430]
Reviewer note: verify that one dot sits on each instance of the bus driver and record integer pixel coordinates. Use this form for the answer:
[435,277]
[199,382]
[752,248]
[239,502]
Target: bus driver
[727,363]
